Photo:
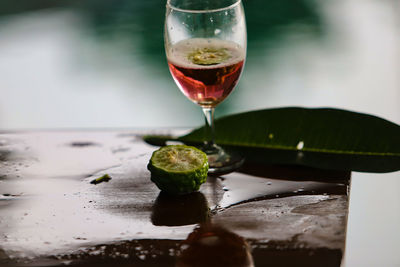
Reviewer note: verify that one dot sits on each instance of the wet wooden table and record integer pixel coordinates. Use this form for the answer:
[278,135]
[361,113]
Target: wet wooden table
[50,213]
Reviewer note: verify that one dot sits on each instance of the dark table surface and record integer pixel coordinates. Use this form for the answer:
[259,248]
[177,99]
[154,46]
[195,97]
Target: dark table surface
[50,213]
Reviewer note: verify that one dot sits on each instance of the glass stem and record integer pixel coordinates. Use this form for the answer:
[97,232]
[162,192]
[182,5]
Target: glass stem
[209,144]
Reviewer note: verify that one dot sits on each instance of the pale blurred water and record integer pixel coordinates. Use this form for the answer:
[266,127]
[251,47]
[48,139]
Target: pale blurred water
[373,235]
[90,65]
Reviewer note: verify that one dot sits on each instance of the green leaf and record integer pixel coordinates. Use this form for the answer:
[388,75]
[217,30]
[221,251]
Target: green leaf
[323,138]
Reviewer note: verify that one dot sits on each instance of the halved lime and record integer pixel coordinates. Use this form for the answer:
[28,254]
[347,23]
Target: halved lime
[178,169]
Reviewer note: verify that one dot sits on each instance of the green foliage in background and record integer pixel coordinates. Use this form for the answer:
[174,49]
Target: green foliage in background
[144,20]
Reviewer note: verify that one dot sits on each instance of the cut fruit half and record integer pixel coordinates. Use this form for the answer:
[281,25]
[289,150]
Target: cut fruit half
[178,169]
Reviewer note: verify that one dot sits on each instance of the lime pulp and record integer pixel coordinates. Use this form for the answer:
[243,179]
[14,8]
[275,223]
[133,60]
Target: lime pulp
[178,169]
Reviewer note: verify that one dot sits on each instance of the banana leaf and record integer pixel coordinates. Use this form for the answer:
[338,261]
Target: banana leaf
[324,138]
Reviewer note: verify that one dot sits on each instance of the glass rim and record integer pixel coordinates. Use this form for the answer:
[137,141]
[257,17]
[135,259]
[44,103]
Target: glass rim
[169,5]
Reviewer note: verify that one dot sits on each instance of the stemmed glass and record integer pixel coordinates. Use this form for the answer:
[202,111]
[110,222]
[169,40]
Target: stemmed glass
[205,43]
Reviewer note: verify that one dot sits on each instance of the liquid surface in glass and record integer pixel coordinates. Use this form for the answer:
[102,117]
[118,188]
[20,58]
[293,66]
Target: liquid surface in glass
[206,70]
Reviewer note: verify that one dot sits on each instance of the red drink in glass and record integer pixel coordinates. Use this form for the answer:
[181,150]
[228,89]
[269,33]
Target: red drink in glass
[206,85]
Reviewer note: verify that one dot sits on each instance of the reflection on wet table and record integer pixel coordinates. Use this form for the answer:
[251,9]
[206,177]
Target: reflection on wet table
[51,214]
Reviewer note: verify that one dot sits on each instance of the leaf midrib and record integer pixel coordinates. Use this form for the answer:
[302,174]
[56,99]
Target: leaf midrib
[363,153]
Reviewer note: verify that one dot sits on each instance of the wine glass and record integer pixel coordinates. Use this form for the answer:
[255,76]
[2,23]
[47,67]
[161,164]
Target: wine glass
[205,44]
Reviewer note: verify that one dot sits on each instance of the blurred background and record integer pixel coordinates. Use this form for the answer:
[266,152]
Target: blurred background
[101,64]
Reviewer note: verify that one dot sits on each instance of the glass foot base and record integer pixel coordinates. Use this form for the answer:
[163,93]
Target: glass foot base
[221,161]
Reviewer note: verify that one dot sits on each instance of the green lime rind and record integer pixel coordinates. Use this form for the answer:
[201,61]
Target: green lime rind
[209,56]
[178,169]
